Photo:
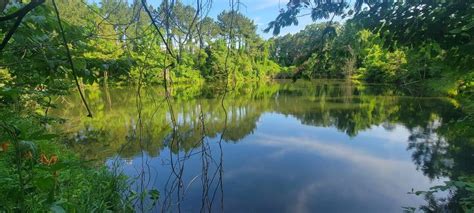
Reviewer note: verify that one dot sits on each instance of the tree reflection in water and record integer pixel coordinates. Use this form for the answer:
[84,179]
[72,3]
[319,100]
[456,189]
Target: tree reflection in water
[189,121]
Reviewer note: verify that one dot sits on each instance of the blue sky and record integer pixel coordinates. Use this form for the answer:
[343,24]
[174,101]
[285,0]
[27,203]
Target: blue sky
[261,11]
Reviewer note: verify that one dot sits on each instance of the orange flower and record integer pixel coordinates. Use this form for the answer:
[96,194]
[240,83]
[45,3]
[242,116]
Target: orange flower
[53,159]
[44,160]
[5,146]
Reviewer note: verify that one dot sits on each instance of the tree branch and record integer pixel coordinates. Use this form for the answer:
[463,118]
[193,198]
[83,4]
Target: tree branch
[69,57]
[19,15]
[147,10]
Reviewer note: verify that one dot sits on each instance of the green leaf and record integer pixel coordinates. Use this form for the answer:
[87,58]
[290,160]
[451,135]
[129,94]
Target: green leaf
[44,183]
[468,26]
[60,165]
[154,194]
[456,31]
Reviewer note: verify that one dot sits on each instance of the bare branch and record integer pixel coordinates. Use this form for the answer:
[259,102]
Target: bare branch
[68,52]
[147,10]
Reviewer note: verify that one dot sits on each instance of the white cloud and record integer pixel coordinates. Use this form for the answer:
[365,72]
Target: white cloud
[392,177]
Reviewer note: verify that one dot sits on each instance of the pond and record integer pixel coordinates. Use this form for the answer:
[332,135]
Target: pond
[325,146]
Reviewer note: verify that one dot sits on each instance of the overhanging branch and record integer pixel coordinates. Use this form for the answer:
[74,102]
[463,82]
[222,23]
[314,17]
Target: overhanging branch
[18,15]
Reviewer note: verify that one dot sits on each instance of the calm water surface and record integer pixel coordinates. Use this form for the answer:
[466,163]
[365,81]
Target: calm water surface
[323,146]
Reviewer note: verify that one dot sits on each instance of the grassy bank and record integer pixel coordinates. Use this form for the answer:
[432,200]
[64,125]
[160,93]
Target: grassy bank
[39,174]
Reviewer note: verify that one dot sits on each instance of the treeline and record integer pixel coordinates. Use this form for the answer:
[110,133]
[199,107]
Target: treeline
[117,40]
[406,43]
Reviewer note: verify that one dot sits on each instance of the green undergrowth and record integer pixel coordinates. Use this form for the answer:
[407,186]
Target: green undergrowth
[38,174]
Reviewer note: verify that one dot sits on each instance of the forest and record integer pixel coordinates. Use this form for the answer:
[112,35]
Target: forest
[173,49]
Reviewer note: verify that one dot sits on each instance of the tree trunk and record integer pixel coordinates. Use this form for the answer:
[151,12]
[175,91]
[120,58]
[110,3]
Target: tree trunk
[106,76]
[107,95]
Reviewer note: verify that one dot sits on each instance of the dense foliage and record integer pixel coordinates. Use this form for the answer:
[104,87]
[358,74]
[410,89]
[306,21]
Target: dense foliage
[409,42]
[420,44]
[105,46]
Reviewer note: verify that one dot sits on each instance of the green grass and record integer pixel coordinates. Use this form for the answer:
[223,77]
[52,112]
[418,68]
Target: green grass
[68,185]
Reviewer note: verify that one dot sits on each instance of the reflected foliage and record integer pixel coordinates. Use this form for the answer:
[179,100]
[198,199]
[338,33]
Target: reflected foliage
[441,140]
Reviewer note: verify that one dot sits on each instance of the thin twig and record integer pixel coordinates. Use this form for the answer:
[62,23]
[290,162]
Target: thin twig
[71,63]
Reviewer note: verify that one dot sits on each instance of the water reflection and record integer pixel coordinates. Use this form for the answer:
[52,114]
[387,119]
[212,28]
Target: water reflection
[287,147]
